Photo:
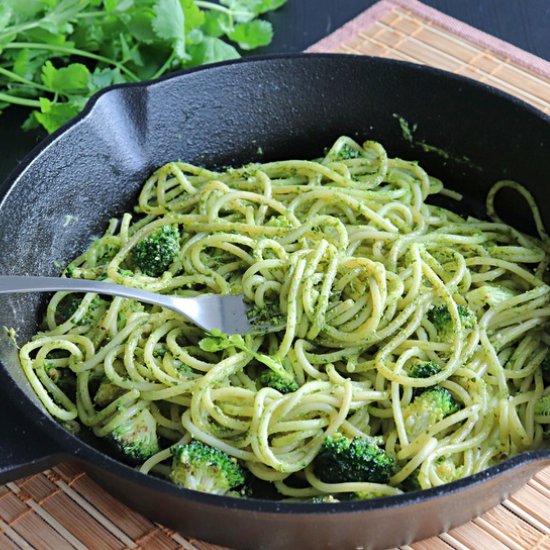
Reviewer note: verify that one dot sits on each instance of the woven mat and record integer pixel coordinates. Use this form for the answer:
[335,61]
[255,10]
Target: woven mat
[63,508]
[411,31]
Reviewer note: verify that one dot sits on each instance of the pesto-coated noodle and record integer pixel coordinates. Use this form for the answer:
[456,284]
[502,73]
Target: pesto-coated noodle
[373,296]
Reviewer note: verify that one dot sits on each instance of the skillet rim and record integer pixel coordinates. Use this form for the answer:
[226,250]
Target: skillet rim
[70,443]
[7,184]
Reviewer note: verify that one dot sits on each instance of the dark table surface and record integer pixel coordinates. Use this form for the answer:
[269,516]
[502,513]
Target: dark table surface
[524,23]
[300,23]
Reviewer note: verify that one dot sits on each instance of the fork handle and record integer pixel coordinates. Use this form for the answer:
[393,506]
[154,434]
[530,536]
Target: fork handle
[207,311]
[18,283]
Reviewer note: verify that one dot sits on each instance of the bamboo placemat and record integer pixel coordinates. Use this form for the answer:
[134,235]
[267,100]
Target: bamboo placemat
[411,31]
[63,508]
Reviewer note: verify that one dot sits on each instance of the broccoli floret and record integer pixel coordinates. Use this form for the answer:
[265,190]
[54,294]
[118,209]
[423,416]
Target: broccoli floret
[424,370]
[136,438]
[542,406]
[203,468]
[285,384]
[440,317]
[447,470]
[427,409]
[324,499]
[489,295]
[154,254]
[342,459]
[107,392]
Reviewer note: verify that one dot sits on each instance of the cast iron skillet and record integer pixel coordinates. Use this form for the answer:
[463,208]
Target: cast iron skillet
[289,107]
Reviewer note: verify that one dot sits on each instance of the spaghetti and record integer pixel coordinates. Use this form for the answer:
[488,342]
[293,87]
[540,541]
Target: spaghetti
[348,266]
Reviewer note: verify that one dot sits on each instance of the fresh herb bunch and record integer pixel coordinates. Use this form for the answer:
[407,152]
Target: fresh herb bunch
[54,54]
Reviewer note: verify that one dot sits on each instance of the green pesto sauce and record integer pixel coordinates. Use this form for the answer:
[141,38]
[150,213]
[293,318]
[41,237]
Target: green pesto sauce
[408,132]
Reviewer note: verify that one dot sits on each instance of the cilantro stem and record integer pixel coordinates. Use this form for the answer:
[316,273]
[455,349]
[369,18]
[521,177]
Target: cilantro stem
[18,29]
[87,14]
[217,7]
[8,98]
[145,39]
[212,6]
[231,13]
[18,78]
[161,71]
[70,51]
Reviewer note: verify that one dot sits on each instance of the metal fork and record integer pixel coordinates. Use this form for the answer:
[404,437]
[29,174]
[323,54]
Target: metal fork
[227,313]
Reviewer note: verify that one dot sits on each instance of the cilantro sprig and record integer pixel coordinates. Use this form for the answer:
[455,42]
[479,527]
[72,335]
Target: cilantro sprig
[54,54]
[218,341]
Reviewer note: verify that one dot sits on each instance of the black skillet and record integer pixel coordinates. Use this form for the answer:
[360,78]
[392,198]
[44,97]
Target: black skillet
[286,107]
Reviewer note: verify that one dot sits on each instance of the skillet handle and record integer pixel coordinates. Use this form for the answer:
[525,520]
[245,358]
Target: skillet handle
[23,449]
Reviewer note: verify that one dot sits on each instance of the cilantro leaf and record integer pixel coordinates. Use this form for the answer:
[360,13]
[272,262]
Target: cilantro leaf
[26,10]
[74,78]
[243,10]
[53,115]
[194,17]
[31,122]
[5,16]
[27,62]
[60,18]
[169,25]
[140,25]
[212,344]
[211,50]
[129,52]
[21,63]
[101,78]
[252,34]
[216,23]
[118,5]
[270,5]
[218,341]
[40,35]
[69,49]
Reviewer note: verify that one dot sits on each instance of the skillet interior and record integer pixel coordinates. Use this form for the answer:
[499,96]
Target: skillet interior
[288,106]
